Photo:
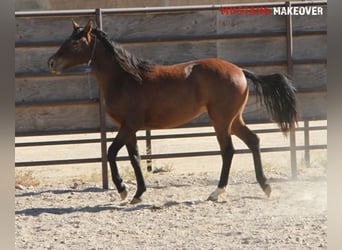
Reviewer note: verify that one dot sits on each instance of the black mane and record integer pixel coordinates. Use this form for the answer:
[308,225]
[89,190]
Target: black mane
[129,63]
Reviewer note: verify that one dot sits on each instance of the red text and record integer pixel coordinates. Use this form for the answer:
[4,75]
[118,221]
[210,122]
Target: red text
[245,10]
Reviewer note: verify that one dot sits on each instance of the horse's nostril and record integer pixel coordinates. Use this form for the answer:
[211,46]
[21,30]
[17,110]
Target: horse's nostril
[51,63]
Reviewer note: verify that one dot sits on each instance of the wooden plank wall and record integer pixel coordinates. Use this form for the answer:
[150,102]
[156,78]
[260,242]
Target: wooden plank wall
[48,103]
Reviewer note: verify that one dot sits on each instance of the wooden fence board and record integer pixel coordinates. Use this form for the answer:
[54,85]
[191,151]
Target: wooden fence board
[245,50]
[310,22]
[313,106]
[33,59]
[313,47]
[47,89]
[268,69]
[236,25]
[56,118]
[46,29]
[170,53]
[135,26]
[310,76]
[75,117]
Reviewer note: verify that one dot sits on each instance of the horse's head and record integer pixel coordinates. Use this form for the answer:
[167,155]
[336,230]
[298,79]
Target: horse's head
[77,49]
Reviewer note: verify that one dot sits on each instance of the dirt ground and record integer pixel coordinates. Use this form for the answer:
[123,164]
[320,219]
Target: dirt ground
[66,207]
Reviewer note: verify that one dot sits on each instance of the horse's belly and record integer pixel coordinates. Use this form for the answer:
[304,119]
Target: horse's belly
[172,117]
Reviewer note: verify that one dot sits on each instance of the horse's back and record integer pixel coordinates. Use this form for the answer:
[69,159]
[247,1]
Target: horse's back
[209,71]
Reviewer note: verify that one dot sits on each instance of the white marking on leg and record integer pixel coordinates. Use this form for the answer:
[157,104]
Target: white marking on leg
[214,195]
[124,193]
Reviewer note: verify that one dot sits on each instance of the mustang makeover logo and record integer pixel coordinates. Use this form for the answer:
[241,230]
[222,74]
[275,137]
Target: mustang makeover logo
[285,10]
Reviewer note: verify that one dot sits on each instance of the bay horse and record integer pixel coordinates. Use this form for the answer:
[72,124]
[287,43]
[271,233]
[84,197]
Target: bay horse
[140,94]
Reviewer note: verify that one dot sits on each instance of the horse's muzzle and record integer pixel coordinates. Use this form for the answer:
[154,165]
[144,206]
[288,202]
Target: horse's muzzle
[53,66]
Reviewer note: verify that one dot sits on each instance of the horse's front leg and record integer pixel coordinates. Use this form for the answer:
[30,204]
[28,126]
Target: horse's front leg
[134,157]
[119,141]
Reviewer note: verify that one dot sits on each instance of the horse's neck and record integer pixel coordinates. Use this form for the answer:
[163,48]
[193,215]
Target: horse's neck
[104,68]
[109,82]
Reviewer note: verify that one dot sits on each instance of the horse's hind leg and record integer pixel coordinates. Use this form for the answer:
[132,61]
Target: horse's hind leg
[134,157]
[253,142]
[227,152]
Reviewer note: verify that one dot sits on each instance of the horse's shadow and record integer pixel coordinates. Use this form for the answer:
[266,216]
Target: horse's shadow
[62,191]
[65,210]
[123,206]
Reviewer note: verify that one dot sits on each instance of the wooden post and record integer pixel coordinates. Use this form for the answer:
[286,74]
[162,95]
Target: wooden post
[289,37]
[103,128]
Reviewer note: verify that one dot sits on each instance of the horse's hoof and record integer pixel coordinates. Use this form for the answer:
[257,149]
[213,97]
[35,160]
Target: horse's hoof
[214,195]
[136,201]
[123,194]
[267,189]
[211,198]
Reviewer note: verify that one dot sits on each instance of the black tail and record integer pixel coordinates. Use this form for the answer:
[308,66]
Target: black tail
[278,95]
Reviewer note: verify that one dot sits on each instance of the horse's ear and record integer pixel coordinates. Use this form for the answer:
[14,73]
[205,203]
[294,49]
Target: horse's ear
[88,28]
[74,24]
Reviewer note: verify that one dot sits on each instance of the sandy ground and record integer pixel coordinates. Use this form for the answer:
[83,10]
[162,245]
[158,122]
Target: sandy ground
[70,210]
